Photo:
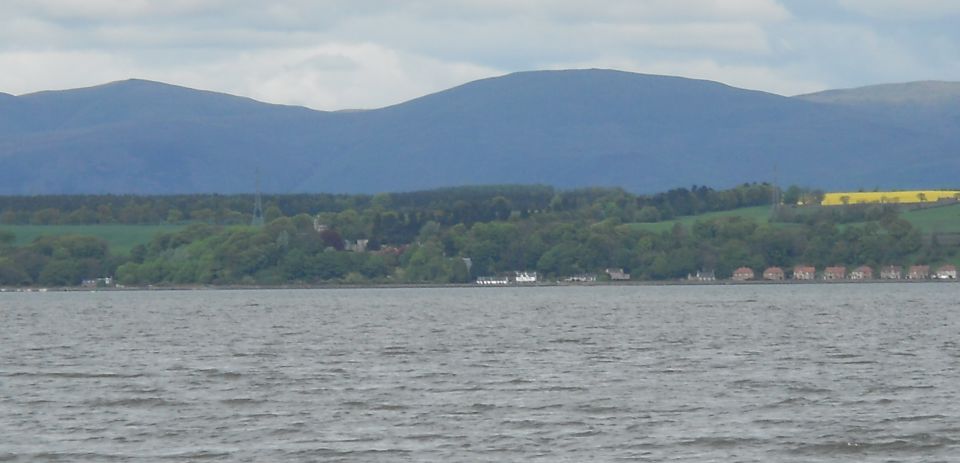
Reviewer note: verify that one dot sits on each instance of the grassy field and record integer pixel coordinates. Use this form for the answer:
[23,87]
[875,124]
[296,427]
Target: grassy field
[121,238]
[935,219]
[944,219]
[757,213]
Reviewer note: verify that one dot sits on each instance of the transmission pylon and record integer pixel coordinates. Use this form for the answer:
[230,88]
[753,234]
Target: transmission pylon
[776,196]
[257,220]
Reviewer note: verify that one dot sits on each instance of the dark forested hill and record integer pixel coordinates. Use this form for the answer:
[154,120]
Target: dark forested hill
[564,128]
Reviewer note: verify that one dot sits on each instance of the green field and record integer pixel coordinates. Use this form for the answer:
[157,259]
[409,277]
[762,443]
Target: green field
[944,219]
[121,238]
[757,213]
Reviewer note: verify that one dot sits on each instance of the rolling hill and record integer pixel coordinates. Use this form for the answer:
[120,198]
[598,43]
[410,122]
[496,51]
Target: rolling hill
[575,128]
[926,93]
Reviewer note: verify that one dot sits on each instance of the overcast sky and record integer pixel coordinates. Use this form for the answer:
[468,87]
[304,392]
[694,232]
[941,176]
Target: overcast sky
[339,54]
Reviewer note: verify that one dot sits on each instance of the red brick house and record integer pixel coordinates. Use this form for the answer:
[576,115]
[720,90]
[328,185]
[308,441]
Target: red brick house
[773,274]
[862,273]
[835,273]
[803,272]
[919,272]
[947,272]
[743,274]
[891,272]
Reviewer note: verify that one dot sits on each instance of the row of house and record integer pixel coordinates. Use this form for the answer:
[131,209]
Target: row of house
[615,274]
[889,272]
[516,278]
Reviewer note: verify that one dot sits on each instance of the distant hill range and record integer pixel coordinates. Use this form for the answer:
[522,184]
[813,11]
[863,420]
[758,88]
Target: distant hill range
[568,129]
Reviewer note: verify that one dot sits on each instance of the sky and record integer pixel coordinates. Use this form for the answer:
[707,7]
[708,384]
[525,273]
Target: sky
[349,54]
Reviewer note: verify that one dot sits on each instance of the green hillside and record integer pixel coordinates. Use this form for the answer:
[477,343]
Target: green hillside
[944,219]
[121,238]
[757,213]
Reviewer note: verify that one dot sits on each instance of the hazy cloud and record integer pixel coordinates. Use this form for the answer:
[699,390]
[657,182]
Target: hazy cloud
[334,54]
[900,10]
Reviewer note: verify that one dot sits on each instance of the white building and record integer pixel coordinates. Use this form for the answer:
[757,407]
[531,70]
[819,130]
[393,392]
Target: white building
[525,277]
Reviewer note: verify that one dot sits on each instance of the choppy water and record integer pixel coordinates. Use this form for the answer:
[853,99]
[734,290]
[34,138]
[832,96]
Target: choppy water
[747,373]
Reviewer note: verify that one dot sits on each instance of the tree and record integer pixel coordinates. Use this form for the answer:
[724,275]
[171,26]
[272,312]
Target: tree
[331,238]
[8,217]
[61,272]
[648,214]
[48,216]
[500,207]
[427,264]
[6,238]
[271,213]
[174,216]
[793,195]
[12,274]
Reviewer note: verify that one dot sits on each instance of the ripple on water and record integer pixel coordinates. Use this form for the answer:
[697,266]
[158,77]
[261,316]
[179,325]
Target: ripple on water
[910,445]
[745,373]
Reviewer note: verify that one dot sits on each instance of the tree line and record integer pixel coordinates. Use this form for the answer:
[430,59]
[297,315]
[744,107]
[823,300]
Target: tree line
[447,206]
[456,235]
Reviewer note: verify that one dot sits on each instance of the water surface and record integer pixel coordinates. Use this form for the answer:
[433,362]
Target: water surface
[767,373]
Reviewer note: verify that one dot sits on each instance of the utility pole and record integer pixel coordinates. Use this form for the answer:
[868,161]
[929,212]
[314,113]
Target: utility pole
[775,196]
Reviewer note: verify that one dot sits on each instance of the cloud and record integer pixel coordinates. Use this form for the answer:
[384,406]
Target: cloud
[339,75]
[900,10]
[330,76]
[55,70]
[606,11]
[106,10]
[335,54]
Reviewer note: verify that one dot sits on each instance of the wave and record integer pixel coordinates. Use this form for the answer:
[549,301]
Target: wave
[73,374]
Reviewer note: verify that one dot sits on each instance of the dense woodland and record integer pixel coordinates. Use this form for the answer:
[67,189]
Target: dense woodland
[447,236]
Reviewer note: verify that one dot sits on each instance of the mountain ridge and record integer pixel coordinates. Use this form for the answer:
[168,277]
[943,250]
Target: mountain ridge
[927,92]
[569,129]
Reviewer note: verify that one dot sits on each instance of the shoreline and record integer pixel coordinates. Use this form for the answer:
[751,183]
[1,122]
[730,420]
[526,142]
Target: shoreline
[464,285]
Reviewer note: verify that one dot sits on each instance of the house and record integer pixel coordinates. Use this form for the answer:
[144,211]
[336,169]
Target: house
[492,281]
[617,274]
[525,277]
[919,272]
[862,273]
[581,278]
[804,272]
[773,274]
[358,246]
[319,226]
[835,273]
[743,274]
[97,283]
[947,272]
[891,272]
[392,250]
[702,275]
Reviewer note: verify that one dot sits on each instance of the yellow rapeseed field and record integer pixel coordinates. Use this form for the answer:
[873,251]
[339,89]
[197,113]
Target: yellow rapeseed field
[901,197]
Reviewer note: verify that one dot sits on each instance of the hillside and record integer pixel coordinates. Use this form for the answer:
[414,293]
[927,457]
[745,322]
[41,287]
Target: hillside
[931,106]
[564,128]
[928,93]
[935,219]
[121,238]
